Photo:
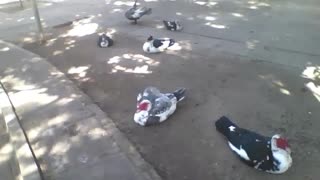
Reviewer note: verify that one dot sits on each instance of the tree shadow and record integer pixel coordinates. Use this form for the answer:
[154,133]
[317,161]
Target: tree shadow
[67,132]
[265,97]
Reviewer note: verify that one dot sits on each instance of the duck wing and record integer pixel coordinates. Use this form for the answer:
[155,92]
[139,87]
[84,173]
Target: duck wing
[136,13]
[163,43]
[161,105]
[151,93]
[250,146]
[157,43]
[129,13]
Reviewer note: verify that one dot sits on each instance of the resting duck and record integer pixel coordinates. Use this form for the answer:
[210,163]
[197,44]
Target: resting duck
[154,107]
[157,45]
[173,25]
[104,41]
[269,154]
[136,13]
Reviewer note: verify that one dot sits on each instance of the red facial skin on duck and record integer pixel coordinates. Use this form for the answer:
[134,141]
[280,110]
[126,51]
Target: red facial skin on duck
[282,143]
[143,106]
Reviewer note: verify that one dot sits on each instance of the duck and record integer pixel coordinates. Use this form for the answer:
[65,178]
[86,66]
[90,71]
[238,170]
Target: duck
[104,41]
[153,45]
[268,154]
[173,25]
[136,12]
[154,107]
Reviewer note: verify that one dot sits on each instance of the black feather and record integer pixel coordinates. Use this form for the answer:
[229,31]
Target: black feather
[180,94]
[150,38]
[157,43]
[223,124]
[152,120]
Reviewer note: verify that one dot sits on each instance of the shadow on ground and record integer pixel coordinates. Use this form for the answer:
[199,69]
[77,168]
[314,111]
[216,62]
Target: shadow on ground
[266,97]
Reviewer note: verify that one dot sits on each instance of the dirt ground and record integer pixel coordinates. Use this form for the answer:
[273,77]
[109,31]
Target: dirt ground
[266,97]
[261,96]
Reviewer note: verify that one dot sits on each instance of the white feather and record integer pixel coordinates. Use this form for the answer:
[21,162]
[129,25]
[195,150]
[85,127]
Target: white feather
[165,45]
[282,156]
[139,97]
[232,128]
[285,161]
[140,117]
[104,44]
[258,164]
[241,152]
[148,48]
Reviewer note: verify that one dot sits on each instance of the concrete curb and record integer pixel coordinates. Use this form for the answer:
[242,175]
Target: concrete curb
[24,156]
[141,167]
[9,169]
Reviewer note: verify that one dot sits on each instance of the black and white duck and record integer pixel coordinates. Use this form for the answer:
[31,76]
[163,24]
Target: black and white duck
[153,45]
[173,25]
[269,154]
[136,12]
[154,107]
[104,41]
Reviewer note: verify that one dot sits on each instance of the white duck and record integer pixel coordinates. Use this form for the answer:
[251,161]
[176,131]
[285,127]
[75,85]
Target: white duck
[157,45]
[269,154]
[136,13]
[154,107]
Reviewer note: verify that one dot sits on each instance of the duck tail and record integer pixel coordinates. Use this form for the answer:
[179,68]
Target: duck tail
[110,41]
[224,124]
[180,94]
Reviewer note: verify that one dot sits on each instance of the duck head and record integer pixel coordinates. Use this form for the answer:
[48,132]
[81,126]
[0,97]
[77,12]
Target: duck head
[281,153]
[142,112]
[150,38]
[279,143]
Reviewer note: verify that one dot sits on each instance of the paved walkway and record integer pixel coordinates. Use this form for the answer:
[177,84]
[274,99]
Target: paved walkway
[70,136]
